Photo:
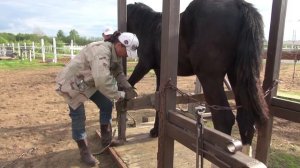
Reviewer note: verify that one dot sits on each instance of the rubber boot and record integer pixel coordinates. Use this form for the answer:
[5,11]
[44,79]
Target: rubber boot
[106,136]
[85,153]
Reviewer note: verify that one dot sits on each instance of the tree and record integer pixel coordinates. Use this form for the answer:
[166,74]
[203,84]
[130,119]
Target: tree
[8,36]
[73,35]
[61,36]
[28,37]
[3,40]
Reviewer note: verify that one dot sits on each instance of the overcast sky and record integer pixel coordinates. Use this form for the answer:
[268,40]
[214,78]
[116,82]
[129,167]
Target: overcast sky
[90,17]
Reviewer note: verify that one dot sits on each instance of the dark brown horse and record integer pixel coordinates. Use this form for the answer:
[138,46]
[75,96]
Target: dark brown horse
[216,38]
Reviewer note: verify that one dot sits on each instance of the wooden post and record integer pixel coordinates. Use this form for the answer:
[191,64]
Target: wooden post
[72,49]
[271,73]
[13,47]
[33,50]
[122,23]
[43,49]
[169,59]
[54,51]
[3,49]
[19,50]
[30,58]
[25,51]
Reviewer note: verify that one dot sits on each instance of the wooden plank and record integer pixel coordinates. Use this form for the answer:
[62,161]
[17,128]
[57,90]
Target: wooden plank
[114,154]
[141,151]
[271,72]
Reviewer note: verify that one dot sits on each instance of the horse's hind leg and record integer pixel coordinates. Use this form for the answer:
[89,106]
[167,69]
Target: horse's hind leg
[245,124]
[247,130]
[223,119]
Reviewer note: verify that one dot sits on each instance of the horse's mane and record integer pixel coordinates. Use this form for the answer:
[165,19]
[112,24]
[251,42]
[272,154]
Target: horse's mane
[141,6]
[142,17]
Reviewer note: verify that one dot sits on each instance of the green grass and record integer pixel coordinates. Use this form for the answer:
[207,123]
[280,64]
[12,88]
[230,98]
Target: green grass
[282,159]
[24,64]
[291,95]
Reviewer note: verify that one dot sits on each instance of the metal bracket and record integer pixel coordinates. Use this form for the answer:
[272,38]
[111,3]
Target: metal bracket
[200,110]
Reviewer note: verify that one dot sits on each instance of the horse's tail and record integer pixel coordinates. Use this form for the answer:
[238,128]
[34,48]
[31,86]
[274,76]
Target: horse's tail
[248,89]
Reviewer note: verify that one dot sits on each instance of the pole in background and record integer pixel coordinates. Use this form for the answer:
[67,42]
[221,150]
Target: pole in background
[13,47]
[72,50]
[54,51]
[43,49]
[33,50]
[19,50]
[25,51]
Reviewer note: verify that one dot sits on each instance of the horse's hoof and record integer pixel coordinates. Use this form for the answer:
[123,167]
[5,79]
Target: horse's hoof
[153,133]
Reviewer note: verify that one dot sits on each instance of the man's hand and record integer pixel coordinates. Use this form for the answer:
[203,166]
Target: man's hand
[130,93]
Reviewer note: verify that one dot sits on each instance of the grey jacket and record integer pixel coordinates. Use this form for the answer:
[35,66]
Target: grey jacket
[96,67]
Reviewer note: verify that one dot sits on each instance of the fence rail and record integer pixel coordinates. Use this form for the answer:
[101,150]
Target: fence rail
[50,53]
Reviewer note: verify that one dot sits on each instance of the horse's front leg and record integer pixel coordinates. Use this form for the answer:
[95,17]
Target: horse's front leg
[140,70]
[154,130]
[138,73]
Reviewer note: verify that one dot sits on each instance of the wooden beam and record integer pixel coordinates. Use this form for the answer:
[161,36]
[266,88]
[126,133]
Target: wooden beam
[198,98]
[122,15]
[272,73]
[149,101]
[189,141]
[215,137]
[122,25]
[144,102]
[284,103]
[287,114]
[213,152]
[169,62]
[285,109]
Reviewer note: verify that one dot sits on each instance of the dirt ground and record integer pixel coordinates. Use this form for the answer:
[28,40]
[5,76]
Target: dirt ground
[35,126]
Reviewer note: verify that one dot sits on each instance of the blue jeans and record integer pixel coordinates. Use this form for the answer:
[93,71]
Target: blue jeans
[78,115]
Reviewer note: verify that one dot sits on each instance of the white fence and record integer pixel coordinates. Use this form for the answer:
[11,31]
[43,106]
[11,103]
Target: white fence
[31,51]
[51,52]
[287,46]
